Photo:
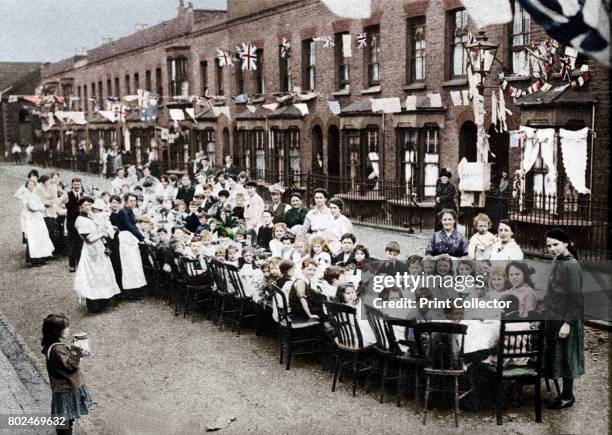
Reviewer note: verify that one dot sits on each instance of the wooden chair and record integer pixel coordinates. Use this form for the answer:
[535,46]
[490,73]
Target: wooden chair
[390,353]
[441,344]
[518,338]
[297,337]
[199,285]
[222,294]
[348,342]
[246,308]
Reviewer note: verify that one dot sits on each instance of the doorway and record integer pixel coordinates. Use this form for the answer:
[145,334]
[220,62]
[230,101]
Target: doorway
[333,151]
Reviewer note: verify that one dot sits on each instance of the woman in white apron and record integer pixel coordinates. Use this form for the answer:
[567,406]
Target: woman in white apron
[39,245]
[94,280]
[132,278]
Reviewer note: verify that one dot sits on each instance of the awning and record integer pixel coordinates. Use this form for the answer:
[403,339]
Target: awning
[560,95]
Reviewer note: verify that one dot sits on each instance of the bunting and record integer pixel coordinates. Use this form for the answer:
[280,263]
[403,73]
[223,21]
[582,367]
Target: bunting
[285,48]
[362,39]
[248,54]
[224,58]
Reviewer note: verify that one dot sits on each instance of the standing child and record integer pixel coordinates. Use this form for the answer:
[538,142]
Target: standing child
[481,242]
[70,397]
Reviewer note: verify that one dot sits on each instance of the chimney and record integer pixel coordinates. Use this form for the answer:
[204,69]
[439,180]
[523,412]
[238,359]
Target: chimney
[181,8]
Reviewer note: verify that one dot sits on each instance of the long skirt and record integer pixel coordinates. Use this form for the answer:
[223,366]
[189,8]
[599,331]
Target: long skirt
[564,357]
[132,276]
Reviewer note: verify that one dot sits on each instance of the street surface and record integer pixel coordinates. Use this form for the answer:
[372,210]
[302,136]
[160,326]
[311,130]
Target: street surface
[152,372]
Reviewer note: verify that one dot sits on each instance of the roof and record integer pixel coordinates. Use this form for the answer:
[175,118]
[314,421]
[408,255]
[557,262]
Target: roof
[178,26]
[260,113]
[13,72]
[560,95]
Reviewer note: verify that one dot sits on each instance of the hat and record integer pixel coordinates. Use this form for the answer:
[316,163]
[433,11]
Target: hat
[445,173]
[250,184]
[558,234]
[98,204]
[276,188]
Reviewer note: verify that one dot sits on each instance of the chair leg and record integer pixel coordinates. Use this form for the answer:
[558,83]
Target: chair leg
[281,344]
[400,385]
[547,384]
[500,403]
[417,395]
[538,401]
[336,371]
[289,351]
[427,393]
[354,377]
[381,396]
[475,396]
[456,401]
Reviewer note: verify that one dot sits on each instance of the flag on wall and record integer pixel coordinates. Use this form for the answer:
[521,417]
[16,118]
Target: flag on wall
[285,48]
[248,54]
[224,58]
[362,40]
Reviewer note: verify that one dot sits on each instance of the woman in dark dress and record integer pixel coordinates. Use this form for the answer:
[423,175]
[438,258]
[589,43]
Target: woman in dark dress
[564,309]
[445,195]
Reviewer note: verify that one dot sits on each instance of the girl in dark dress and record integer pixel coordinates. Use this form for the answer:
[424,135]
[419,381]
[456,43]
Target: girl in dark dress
[301,291]
[70,397]
[564,309]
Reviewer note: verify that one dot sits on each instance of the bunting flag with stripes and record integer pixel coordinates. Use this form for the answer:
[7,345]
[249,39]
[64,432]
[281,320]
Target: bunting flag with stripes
[285,48]
[362,40]
[224,58]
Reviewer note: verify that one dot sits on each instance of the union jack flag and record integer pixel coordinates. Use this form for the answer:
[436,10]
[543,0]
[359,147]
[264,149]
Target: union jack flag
[119,111]
[143,97]
[285,48]
[224,58]
[362,40]
[248,54]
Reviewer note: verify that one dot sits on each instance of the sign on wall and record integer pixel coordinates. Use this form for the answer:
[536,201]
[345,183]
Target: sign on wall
[474,176]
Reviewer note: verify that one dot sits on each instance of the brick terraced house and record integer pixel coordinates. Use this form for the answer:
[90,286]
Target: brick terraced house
[412,48]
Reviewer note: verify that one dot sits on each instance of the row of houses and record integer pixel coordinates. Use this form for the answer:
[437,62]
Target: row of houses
[404,49]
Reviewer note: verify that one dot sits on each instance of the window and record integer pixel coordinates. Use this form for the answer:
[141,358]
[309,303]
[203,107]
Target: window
[416,49]
[85,99]
[211,149]
[117,88]
[239,79]
[203,77]
[407,156]
[259,72]
[219,77]
[430,161]
[371,56]
[205,141]
[257,138]
[308,65]
[177,77]
[284,72]
[342,68]
[294,163]
[148,86]
[80,101]
[127,84]
[159,83]
[93,94]
[457,36]
[100,90]
[109,87]
[520,40]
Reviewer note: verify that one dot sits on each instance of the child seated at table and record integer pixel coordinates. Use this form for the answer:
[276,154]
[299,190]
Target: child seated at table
[207,249]
[481,242]
[429,266]
[276,245]
[192,220]
[320,253]
[220,254]
[203,223]
[289,253]
[345,294]
[266,230]
[233,258]
[518,274]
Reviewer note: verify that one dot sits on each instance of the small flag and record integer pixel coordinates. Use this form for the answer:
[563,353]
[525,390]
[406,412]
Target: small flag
[271,106]
[285,48]
[224,58]
[242,98]
[13,98]
[248,54]
[251,108]
[362,39]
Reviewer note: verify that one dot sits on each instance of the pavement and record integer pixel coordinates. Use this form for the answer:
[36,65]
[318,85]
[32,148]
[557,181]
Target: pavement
[24,389]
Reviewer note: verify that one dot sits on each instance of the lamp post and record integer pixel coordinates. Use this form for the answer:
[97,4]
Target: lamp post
[480,57]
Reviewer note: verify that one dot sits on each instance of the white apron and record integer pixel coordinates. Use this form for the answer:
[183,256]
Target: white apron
[94,278]
[132,274]
[34,227]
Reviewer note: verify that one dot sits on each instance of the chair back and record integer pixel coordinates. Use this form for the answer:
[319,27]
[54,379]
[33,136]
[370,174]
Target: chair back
[219,277]
[520,337]
[194,271]
[343,319]
[376,319]
[393,339]
[236,281]
[280,306]
[441,344]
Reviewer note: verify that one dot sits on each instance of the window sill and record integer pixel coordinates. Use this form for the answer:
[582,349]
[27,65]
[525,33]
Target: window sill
[455,82]
[342,92]
[517,78]
[418,86]
[372,90]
